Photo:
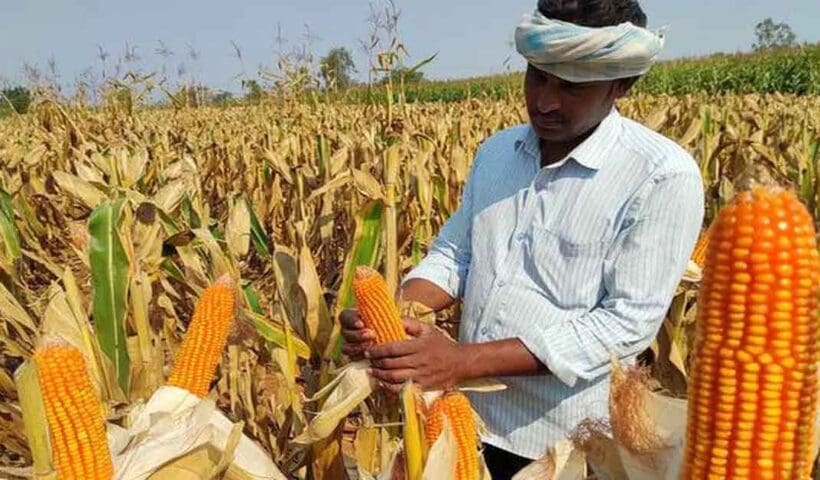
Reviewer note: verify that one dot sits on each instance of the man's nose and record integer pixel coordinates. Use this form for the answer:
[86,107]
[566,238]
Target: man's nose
[547,100]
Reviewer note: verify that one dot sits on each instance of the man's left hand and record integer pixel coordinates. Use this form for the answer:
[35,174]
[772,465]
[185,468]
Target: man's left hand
[429,358]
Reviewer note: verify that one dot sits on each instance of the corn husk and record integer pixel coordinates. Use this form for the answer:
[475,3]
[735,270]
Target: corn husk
[693,272]
[594,439]
[351,386]
[441,461]
[173,424]
[344,393]
[649,429]
[394,468]
[562,462]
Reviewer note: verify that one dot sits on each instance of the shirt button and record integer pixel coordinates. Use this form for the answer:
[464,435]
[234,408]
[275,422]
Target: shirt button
[501,283]
[484,331]
[520,237]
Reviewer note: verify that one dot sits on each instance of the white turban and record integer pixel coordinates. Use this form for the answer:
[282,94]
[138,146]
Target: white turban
[585,54]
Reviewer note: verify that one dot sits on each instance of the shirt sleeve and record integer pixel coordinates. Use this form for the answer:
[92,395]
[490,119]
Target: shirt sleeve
[448,260]
[641,273]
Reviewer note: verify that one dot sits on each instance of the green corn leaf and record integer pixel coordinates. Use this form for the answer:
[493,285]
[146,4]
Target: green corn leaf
[109,278]
[364,251]
[258,235]
[9,238]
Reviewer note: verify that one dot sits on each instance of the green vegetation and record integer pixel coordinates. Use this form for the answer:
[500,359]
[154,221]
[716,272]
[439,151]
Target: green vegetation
[786,70]
[15,99]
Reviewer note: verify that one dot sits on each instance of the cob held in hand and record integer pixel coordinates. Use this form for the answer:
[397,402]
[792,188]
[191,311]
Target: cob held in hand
[376,306]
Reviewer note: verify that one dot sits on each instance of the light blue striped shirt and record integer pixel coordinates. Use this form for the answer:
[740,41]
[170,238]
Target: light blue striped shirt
[579,260]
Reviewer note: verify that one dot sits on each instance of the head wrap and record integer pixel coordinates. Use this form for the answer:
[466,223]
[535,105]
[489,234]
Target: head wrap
[584,54]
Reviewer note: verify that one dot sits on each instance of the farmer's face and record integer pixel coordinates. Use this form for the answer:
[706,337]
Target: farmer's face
[562,111]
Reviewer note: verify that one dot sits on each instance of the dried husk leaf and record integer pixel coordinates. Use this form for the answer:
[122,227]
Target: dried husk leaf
[443,455]
[34,419]
[173,424]
[238,229]
[649,429]
[693,272]
[344,393]
[562,462]
[593,437]
[79,189]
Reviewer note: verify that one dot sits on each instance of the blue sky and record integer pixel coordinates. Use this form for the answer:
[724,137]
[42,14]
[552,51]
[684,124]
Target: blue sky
[471,37]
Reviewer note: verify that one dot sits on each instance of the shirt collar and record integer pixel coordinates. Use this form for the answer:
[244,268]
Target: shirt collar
[591,153]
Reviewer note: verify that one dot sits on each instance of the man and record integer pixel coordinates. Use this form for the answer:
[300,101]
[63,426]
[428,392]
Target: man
[572,234]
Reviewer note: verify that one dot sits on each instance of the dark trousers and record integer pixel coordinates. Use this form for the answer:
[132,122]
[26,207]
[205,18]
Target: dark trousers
[503,464]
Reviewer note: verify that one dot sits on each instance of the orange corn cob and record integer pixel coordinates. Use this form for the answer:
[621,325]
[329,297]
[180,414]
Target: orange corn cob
[699,253]
[77,432]
[753,390]
[376,306]
[206,338]
[456,407]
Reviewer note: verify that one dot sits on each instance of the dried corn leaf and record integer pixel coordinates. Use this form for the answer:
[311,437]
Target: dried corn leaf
[79,189]
[318,322]
[368,184]
[169,197]
[11,309]
[344,393]
[238,228]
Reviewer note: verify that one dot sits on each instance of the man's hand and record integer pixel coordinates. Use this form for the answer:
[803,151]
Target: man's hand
[429,358]
[357,337]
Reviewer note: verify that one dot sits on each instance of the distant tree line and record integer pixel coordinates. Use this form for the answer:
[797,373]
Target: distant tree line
[14,99]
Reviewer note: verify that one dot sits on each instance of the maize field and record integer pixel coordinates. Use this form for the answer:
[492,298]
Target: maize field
[202,255]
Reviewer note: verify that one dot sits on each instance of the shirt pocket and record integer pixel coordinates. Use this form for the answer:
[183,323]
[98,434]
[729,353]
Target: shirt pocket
[570,272]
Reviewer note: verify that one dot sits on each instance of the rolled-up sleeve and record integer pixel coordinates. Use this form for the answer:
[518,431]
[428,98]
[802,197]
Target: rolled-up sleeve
[448,259]
[641,272]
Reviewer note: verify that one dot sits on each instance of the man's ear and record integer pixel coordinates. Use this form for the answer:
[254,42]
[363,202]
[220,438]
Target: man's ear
[623,85]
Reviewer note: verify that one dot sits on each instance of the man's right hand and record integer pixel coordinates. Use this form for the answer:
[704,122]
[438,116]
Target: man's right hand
[357,337]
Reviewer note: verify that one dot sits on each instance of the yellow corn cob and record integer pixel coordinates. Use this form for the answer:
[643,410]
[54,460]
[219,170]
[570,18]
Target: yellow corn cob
[75,418]
[753,390]
[206,338]
[455,406]
[376,306]
[699,253]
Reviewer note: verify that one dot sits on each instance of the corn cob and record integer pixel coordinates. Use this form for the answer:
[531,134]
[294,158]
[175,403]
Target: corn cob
[456,408]
[206,338]
[376,306]
[699,253]
[753,389]
[74,414]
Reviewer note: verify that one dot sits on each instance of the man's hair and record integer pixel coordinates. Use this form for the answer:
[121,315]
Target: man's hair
[594,13]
